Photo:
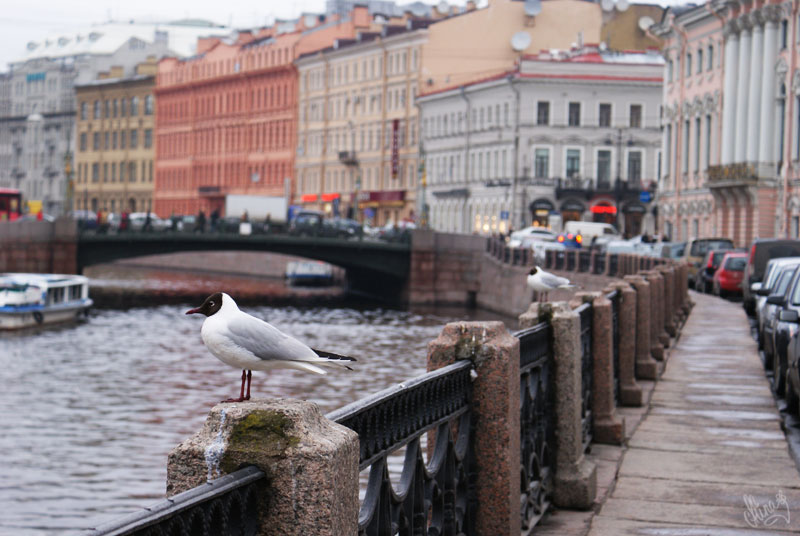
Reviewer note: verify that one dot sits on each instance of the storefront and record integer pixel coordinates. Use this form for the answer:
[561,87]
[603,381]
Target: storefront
[634,218]
[540,212]
[604,212]
[572,210]
[385,206]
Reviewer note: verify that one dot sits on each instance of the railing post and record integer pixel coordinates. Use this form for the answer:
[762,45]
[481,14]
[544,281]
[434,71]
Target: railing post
[669,298]
[576,477]
[646,366]
[311,464]
[657,298]
[496,402]
[630,393]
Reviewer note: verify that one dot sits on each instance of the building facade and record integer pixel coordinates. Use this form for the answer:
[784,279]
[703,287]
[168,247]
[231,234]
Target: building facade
[567,136]
[358,146]
[37,107]
[115,142]
[732,96]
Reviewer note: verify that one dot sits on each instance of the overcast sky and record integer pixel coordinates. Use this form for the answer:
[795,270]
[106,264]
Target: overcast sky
[22,21]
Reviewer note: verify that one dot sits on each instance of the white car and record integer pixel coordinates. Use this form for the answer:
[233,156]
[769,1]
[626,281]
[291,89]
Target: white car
[528,236]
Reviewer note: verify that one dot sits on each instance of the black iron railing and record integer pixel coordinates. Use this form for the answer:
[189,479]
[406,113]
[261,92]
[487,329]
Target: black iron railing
[613,264]
[537,423]
[433,498]
[226,506]
[584,260]
[599,264]
[570,255]
[587,421]
[615,297]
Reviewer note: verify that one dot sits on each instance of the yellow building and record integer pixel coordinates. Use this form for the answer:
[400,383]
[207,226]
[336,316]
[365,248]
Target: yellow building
[115,145]
[357,135]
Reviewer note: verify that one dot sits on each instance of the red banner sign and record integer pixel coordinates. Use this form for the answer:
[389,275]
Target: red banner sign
[395,148]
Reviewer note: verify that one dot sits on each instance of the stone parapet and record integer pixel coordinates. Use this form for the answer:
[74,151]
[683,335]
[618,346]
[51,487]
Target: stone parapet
[630,392]
[311,464]
[646,366]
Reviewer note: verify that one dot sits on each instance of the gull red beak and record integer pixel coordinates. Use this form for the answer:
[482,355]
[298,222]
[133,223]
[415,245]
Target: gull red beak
[193,311]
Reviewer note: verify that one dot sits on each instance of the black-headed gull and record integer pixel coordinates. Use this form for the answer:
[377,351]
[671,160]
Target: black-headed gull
[544,282]
[246,342]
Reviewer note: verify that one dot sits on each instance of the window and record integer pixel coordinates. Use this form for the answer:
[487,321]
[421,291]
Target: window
[123,107]
[784,33]
[148,138]
[604,166]
[84,110]
[634,166]
[96,141]
[134,106]
[107,109]
[710,58]
[636,116]
[131,171]
[541,163]
[116,107]
[573,162]
[96,114]
[95,172]
[605,115]
[697,131]
[708,142]
[122,139]
[685,163]
[148,105]
[83,141]
[574,114]
[106,142]
[700,60]
[134,138]
[542,113]
[688,64]
[114,139]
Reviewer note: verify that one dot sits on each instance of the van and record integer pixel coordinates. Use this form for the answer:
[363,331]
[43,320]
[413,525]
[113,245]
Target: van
[592,229]
[697,249]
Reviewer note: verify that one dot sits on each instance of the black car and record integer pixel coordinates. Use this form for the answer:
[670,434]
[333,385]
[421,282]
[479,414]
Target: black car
[787,330]
[775,346]
[705,276]
[760,253]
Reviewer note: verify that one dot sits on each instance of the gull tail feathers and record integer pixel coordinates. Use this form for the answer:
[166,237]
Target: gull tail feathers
[335,359]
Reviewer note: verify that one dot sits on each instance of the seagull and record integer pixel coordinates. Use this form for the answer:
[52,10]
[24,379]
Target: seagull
[246,342]
[543,282]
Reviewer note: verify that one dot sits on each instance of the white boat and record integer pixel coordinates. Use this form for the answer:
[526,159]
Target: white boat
[37,299]
[314,273]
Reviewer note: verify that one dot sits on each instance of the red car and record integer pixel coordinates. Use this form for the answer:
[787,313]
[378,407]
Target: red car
[728,278]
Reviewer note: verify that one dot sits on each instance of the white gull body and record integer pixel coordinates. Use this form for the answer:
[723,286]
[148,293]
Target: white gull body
[248,343]
[542,281]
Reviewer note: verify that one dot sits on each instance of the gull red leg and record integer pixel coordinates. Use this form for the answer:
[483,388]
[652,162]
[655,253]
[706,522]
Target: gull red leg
[241,390]
[249,378]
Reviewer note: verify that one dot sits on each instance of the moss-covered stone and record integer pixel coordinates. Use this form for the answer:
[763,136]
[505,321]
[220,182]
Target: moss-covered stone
[266,432]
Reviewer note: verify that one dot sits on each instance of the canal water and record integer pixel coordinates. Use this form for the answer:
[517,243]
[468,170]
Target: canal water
[92,410]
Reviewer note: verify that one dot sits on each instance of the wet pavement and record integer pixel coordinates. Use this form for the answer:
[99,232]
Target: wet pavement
[707,456]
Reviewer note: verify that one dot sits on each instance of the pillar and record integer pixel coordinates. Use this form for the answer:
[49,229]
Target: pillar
[646,365]
[729,88]
[295,446]
[668,273]
[496,416]
[742,130]
[766,150]
[754,92]
[630,393]
[659,338]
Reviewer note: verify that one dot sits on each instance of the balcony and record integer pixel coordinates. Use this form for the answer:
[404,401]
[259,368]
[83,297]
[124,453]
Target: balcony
[741,174]
[348,158]
[587,188]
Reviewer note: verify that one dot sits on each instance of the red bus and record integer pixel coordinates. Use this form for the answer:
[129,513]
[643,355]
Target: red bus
[10,204]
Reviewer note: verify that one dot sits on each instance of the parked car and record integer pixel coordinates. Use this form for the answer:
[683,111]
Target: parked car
[570,241]
[728,278]
[696,250]
[705,276]
[348,228]
[784,359]
[760,253]
[307,223]
[525,237]
[774,303]
[87,219]
[137,221]
[764,289]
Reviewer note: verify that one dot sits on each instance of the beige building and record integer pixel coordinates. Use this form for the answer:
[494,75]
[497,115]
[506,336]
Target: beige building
[115,143]
[357,149]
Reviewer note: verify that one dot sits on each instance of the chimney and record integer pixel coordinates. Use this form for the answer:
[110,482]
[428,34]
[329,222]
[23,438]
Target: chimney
[471,5]
[360,16]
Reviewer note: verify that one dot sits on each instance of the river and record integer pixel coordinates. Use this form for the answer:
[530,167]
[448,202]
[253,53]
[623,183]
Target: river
[92,409]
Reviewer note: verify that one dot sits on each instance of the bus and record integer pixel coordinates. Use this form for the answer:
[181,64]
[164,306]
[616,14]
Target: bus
[10,204]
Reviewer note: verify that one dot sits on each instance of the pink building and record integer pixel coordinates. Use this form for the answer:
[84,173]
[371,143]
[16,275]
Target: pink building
[731,145]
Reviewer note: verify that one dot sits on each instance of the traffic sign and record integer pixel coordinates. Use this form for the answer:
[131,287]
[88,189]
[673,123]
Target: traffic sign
[645,197]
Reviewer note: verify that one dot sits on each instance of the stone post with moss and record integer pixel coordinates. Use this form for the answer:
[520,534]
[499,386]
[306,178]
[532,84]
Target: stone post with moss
[495,409]
[311,464]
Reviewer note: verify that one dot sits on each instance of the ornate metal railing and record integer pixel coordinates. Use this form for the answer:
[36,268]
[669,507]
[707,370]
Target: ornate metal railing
[537,423]
[433,498]
[226,506]
[615,298]
[587,421]
[613,264]
[571,256]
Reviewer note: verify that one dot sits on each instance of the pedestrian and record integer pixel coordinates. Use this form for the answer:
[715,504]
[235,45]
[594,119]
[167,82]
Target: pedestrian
[123,221]
[214,220]
[201,221]
[148,223]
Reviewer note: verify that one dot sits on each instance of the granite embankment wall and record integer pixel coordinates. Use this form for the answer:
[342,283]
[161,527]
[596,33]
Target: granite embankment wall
[39,246]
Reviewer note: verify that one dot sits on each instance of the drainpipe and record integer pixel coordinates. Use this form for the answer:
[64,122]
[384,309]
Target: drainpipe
[468,127]
[789,113]
[679,131]
[516,215]
[721,57]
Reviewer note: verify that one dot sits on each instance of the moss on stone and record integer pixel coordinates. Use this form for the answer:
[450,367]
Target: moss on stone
[262,431]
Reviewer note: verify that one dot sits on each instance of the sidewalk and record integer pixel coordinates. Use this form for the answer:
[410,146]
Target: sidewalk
[709,450]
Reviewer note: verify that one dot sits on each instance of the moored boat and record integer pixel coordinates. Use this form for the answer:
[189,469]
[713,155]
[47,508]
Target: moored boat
[309,273]
[28,300]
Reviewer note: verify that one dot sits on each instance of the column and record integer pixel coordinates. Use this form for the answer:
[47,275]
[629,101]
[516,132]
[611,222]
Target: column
[766,152]
[742,130]
[754,104]
[729,97]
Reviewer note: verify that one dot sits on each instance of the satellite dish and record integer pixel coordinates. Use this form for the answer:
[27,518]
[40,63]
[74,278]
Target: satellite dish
[442,7]
[310,21]
[607,5]
[623,5]
[520,41]
[533,7]
[645,23]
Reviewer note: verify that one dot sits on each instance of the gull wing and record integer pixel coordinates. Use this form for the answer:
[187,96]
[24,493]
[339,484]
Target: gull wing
[266,341]
[553,280]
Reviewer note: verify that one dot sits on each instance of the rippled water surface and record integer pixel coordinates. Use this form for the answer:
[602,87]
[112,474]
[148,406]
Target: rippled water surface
[90,411]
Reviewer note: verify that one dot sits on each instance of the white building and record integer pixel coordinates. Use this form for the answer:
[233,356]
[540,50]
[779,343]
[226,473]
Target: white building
[37,96]
[575,135]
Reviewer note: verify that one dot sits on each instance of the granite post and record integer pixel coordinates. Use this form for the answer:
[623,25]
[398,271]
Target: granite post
[311,464]
[668,272]
[657,333]
[646,366]
[630,393]
[496,399]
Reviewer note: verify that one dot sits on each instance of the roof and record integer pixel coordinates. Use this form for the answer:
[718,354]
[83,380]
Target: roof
[112,81]
[107,38]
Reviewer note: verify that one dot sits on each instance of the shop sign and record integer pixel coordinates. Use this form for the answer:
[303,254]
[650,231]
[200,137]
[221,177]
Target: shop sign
[395,148]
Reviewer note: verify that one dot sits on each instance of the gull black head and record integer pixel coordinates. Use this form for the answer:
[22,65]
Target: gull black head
[210,306]
[533,270]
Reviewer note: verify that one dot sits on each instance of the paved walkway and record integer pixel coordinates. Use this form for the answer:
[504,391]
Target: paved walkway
[707,452]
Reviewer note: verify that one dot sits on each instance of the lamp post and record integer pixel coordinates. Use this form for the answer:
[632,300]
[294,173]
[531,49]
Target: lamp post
[69,194]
